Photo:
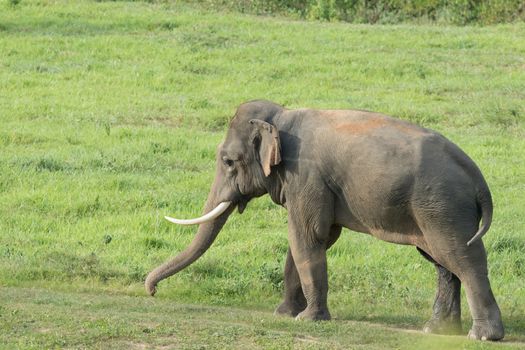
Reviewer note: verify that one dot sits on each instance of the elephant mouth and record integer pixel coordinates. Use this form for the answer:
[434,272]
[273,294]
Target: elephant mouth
[241,205]
[242,199]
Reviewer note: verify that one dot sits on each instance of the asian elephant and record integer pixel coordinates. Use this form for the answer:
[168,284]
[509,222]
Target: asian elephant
[364,171]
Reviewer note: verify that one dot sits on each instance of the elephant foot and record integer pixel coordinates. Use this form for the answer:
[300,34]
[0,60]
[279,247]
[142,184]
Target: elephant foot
[314,315]
[290,309]
[486,330]
[440,326]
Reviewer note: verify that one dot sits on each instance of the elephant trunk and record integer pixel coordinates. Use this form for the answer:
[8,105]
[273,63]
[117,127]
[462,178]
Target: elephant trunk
[206,234]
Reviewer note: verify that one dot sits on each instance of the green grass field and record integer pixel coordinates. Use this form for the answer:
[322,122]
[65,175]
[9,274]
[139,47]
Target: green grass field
[110,113]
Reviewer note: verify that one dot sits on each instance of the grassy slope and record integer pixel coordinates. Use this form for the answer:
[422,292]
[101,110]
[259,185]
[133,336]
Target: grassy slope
[110,114]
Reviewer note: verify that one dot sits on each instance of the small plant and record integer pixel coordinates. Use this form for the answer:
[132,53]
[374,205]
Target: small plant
[107,239]
[272,273]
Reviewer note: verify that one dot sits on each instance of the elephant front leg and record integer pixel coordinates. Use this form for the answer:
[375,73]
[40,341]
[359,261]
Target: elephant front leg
[308,248]
[294,301]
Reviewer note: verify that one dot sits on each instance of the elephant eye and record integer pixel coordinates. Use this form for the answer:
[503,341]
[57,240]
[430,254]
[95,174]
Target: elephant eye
[227,161]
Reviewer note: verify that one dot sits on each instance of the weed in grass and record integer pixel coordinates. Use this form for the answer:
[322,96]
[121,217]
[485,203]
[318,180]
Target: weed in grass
[272,273]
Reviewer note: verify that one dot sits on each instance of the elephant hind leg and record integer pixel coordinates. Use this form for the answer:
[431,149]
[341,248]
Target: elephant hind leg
[446,313]
[469,264]
[486,315]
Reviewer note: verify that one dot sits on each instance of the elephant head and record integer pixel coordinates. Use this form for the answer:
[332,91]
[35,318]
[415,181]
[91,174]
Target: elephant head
[244,164]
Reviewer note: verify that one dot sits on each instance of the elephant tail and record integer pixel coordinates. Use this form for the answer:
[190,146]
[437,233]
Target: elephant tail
[484,200]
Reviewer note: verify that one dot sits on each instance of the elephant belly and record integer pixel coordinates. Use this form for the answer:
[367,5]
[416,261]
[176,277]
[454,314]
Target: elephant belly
[398,238]
[390,224]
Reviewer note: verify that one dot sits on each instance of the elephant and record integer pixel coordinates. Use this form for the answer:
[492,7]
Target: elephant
[364,171]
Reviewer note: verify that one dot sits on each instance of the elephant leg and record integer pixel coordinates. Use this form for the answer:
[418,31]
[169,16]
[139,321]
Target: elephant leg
[469,264]
[446,314]
[486,315]
[308,240]
[294,300]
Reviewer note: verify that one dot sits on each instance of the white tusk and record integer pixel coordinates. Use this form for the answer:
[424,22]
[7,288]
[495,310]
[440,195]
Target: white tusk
[205,218]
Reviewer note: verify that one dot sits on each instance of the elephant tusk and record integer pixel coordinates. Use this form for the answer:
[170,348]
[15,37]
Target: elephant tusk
[205,218]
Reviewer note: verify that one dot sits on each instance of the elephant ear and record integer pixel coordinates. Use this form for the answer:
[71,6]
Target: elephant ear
[267,144]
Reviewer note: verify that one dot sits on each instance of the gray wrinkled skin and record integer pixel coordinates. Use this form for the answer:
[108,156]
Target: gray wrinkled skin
[370,173]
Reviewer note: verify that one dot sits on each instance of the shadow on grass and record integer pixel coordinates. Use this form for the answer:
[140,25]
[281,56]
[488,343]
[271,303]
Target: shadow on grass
[514,325]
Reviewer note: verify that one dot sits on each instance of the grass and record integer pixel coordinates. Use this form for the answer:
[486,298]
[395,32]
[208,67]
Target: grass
[98,321]
[110,114]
